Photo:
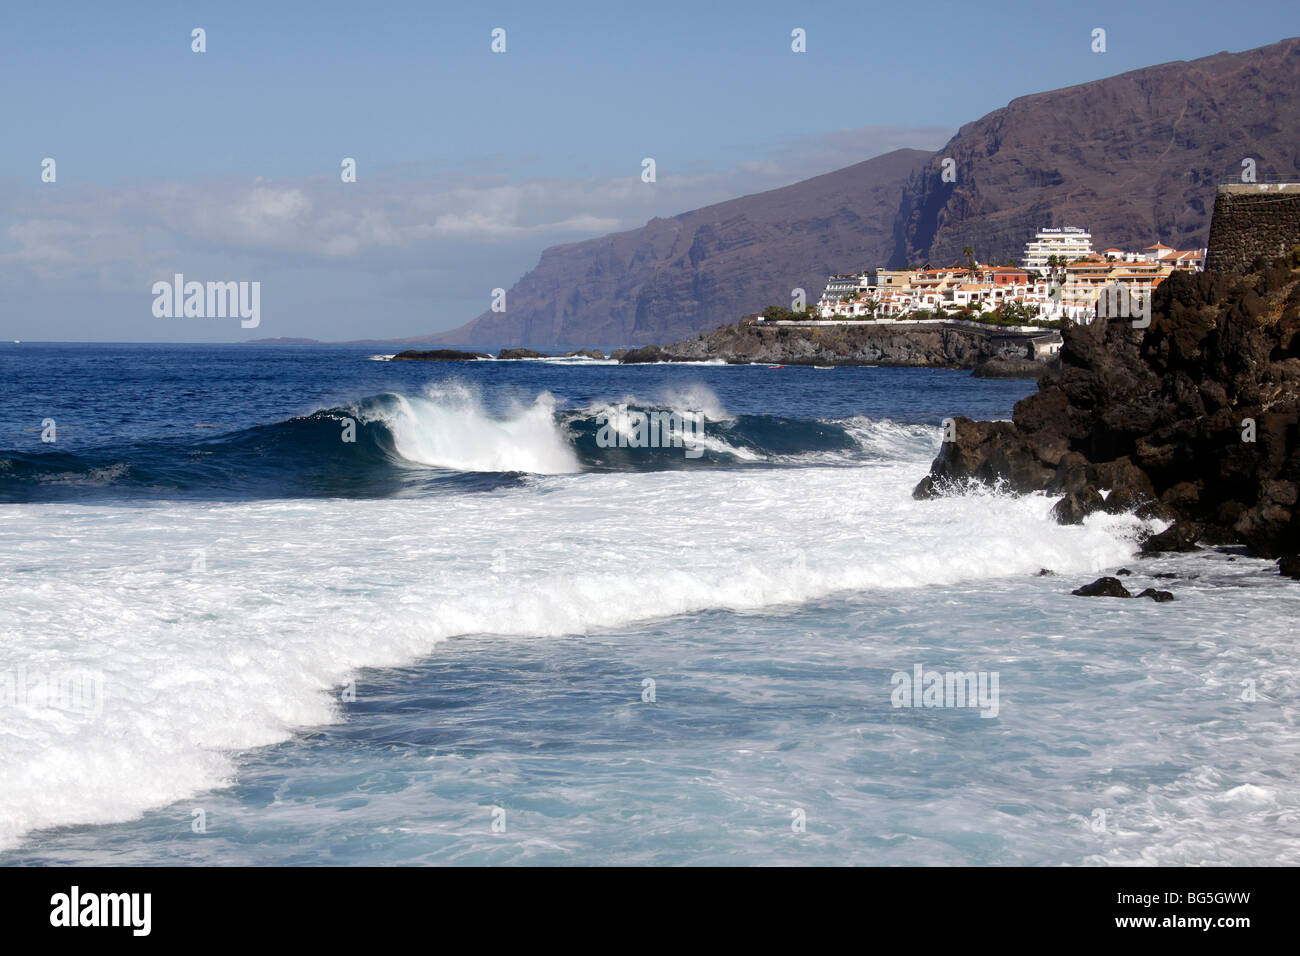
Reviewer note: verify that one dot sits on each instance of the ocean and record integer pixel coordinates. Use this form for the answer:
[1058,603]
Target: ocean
[474,634]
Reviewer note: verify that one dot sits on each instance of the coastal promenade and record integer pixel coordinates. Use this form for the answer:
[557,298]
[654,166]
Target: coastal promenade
[988,327]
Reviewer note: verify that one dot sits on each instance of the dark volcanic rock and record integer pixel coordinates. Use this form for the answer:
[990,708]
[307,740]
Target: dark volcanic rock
[585,353]
[438,355]
[1181,536]
[1103,587]
[651,353]
[1010,368]
[1195,419]
[1158,596]
[1077,505]
[1289,566]
[520,354]
[941,346]
[991,452]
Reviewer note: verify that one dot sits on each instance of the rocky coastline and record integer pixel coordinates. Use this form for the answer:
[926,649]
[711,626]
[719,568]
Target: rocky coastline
[1194,419]
[937,346]
[455,355]
[991,353]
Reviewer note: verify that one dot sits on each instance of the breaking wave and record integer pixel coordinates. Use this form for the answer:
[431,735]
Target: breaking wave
[446,438]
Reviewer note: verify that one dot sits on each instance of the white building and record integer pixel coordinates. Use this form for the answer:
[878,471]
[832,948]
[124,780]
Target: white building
[842,287]
[1067,241]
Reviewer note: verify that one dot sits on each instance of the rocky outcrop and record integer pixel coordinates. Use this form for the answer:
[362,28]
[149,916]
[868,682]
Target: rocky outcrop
[438,355]
[1103,587]
[1012,367]
[510,354]
[1113,587]
[935,346]
[1195,419]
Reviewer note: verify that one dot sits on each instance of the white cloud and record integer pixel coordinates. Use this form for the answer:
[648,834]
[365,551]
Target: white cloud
[467,227]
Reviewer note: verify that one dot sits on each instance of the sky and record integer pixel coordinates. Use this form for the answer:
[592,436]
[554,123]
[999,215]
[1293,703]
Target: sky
[225,165]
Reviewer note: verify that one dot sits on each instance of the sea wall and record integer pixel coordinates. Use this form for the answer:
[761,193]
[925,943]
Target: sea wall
[1250,220]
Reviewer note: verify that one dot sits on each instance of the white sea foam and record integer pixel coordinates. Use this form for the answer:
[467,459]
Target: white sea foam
[693,397]
[448,427]
[294,597]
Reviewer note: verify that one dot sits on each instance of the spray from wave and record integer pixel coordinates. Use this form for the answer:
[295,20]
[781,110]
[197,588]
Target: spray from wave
[448,427]
[445,439]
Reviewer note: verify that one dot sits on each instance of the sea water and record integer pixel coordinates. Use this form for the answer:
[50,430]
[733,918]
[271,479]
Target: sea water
[476,634]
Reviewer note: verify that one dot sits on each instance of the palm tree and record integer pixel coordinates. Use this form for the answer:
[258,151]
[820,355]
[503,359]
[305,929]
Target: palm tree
[969,253]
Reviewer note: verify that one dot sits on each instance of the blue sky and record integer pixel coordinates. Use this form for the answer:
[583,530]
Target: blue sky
[225,164]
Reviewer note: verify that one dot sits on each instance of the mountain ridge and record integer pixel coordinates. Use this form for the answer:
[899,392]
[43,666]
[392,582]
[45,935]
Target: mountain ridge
[1135,158]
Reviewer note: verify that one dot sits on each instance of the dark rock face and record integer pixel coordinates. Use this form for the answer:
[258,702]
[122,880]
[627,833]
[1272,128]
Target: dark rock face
[1289,566]
[1009,368]
[1180,536]
[1077,505]
[520,354]
[642,356]
[1195,419]
[915,346]
[989,452]
[1103,587]
[1112,587]
[438,355]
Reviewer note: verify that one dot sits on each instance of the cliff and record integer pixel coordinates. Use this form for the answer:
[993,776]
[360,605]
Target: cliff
[673,277]
[1134,157]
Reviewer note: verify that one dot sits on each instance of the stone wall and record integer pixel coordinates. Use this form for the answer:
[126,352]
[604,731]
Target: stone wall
[1252,220]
